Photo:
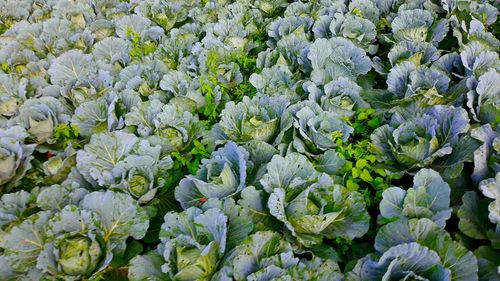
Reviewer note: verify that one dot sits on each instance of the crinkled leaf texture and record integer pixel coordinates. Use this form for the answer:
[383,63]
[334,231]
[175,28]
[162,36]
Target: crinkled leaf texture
[24,242]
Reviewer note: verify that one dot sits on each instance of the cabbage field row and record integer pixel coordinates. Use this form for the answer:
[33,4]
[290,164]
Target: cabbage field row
[260,140]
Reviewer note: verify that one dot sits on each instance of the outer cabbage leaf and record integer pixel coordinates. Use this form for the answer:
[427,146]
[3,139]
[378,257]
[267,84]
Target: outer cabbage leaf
[98,158]
[129,25]
[487,156]
[491,189]
[359,30]
[254,207]
[477,60]
[276,80]
[180,84]
[262,253]
[291,50]
[314,269]
[120,217]
[23,243]
[405,261]
[341,96]
[59,165]
[417,25]
[484,100]
[239,226]
[290,172]
[56,197]
[488,264]
[112,50]
[96,116]
[261,154]
[421,84]
[146,267]
[366,8]
[417,52]
[288,26]
[72,68]
[473,215]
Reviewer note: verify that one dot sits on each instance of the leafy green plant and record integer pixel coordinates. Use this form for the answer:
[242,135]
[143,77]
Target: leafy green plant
[66,134]
[361,171]
[192,158]
[139,48]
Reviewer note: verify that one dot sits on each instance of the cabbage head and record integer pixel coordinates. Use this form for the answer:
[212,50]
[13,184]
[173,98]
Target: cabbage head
[15,156]
[435,138]
[311,205]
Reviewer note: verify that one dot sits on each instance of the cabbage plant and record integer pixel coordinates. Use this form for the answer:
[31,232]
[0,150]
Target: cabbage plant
[317,129]
[337,57]
[435,138]
[428,198]
[265,256]
[311,205]
[41,116]
[121,161]
[260,118]
[341,96]
[15,156]
[192,244]
[222,176]
[416,248]
[12,94]
[77,241]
